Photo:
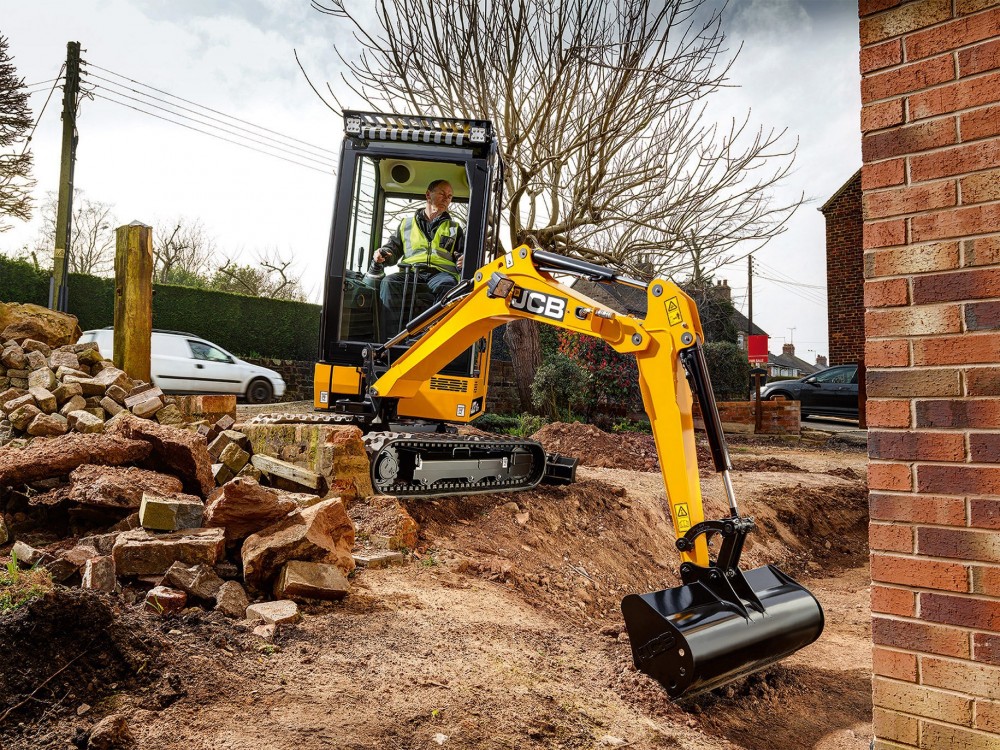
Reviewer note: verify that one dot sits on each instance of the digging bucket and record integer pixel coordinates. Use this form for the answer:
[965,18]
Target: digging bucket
[719,626]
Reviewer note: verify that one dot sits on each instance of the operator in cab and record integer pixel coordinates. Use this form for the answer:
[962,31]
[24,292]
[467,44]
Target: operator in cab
[429,247]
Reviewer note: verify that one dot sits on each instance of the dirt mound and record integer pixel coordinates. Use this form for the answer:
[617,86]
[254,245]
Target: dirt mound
[70,647]
[595,447]
[764,464]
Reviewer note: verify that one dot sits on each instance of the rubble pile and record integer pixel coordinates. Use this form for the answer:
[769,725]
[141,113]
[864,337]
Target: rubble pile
[179,516]
[47,391]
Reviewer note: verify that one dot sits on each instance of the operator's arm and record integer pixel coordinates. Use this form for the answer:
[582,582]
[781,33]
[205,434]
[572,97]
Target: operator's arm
[391,250]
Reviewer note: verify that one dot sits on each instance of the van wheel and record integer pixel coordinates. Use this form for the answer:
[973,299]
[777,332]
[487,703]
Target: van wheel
[259,392]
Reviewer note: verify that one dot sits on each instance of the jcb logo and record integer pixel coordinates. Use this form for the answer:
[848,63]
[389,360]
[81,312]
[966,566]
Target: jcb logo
[538,303]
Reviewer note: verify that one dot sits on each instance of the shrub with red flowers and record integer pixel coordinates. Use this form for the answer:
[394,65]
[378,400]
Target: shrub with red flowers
[614,378]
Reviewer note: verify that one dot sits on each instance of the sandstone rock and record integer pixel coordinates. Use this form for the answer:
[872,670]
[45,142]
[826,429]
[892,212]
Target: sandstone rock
[74,403]
[231,599]
[112,733]
[13,358]
[42,378]
[16,403]
[139,552]
[165,601]
[148,407]
[9,394]
[274,613]
[79,555]
[66,391]
[180,452]
[170,513]
[89,386]
[232,457]
[119,487]
[112,376]
[99,574]
[86,422]
[228,571]
[226,422]
[24,415]
[265,631]
[249,472]
[89,354]
[223,440]
[306,580]
[47,425]
[171,415]
[60,569]
[44,398]
[379,559]
[36,361]
[30,345]
[4,531]
[64,358]
[27,321]
[322,533]
[221,474]
[26,555]
[103,543]
[200,581]
[118,394]
[384,519]
[63,372]
[140,393]
[127,524]
[243,507]
[207,407]
[111,406]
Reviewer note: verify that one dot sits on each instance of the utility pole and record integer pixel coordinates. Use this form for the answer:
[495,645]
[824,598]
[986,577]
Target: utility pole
[749,298]
[58,287]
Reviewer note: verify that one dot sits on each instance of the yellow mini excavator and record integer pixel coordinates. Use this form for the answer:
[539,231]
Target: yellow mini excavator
[404,384]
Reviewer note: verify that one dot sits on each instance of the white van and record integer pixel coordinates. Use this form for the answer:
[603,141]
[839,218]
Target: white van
[184,363]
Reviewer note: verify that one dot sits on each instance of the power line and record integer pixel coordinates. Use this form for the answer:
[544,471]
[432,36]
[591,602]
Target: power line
[804,295]
[107,98]
[791,283]
[256,137]
[55,85]
[268,144]
[214,111]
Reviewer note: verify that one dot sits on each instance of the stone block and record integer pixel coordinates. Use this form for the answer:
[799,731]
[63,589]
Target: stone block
[42,378]
[44,398]
[24,415]
[232,600]
[26,555]
[234,458]
[4,382]
[139,552]
[63,358]
[171,415]
[13,404]
[75,403]
[200,581]
[306,580]
[112,376]
[9,394]
[165,601]
[47,425]
[226,422]
[89,386]
[43,459]
[170,513]
[17,382]
[62,372]
[30,345]
[103,543]
[65,391]
[36,360]
[274,613]
[118,394]
[85,422]
[141,393]
[111,406]
[99,574]
[13,357]
[222,474]
[242,507]
[211,408]
[90,354]
[147,407]
[4,531]
[379,559]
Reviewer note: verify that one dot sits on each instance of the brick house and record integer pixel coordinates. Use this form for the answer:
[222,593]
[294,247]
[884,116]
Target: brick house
[845,274]
[930,124]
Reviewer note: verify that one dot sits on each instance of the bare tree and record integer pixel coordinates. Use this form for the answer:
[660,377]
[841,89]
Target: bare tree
[15,159]
[182,253]
[92,238]
[273,276]
[600,108]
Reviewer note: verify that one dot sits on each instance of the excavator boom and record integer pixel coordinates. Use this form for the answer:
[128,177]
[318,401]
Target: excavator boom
[722,622]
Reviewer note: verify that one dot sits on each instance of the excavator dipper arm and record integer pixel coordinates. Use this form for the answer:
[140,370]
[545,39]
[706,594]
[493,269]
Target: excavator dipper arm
[721,623]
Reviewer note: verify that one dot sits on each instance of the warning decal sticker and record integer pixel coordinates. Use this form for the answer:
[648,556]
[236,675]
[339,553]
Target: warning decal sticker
[682,517]
[674,312]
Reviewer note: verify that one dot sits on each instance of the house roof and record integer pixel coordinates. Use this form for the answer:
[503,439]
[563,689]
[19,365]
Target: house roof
[840,191]
[633,301]
[791,362]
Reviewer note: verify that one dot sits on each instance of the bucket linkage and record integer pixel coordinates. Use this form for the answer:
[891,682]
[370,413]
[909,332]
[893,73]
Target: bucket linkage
[722,623]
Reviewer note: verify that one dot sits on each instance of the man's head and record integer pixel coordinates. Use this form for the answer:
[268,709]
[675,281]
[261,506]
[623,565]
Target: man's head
[439,195]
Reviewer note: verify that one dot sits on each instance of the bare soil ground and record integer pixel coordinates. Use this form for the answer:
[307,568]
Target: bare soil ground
[502,631]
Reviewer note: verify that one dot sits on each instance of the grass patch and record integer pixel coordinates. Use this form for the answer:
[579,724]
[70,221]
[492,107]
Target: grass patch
[18,587]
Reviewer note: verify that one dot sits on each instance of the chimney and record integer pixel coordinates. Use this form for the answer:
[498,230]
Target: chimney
[820,360]
[722,290]
[788,349]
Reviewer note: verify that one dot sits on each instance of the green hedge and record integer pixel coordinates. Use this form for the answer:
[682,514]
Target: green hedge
[246,326]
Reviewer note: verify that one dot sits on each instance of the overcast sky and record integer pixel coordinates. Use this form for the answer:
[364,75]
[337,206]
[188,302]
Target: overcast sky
[798,69]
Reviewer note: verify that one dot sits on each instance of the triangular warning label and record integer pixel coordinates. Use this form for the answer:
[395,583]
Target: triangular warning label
[682,511]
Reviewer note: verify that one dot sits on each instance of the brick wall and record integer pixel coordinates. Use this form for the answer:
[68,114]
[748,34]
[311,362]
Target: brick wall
[845,274]
[778,417]
[930,124]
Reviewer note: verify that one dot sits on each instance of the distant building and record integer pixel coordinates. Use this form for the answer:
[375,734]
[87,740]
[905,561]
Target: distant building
[787,364]
[845,277]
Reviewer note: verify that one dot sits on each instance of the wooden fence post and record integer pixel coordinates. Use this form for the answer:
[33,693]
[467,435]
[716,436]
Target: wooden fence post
[133,299]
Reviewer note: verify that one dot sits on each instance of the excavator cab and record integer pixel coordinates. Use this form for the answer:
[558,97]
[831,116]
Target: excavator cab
[387,163]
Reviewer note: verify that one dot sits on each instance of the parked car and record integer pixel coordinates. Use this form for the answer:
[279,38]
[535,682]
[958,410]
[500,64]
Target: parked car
[832,392]
[184,363]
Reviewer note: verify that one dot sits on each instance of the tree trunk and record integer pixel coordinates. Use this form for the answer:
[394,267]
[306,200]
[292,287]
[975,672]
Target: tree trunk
[526,355]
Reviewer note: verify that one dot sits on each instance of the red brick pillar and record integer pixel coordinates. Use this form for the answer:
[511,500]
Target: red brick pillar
[931,180]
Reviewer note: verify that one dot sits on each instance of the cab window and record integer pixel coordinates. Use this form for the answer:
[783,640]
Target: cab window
[207,352]
[836,375]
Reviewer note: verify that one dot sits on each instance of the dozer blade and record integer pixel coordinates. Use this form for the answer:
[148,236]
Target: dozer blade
[723,626]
